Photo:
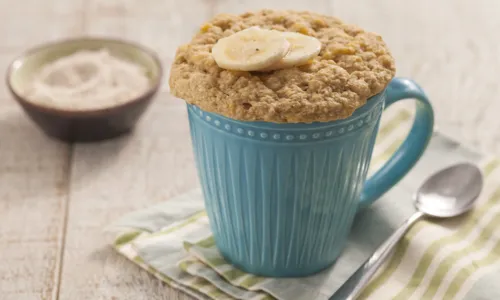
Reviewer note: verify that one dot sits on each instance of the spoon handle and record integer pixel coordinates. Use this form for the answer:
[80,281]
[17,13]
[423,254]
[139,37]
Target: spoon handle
[355,284]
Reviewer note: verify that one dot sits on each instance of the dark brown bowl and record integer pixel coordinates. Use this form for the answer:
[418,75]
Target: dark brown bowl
[83,125]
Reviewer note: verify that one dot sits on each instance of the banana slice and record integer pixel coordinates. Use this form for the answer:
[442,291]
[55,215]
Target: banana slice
[252,49]
[303,48]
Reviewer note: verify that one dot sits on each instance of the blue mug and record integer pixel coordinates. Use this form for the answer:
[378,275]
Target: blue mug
[281,198]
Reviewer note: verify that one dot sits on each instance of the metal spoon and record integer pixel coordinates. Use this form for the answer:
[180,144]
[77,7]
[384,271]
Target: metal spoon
[448,193]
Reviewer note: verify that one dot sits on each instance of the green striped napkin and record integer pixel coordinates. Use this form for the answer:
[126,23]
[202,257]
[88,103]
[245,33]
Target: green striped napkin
[450,259]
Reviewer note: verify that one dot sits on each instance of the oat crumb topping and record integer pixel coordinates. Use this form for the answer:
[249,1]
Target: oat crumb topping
[352,66]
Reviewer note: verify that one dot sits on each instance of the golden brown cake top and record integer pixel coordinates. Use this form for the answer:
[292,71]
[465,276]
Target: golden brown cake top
[352,66]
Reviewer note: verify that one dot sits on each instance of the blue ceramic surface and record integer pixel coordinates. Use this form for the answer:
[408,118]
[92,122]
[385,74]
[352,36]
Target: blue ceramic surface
[281,198]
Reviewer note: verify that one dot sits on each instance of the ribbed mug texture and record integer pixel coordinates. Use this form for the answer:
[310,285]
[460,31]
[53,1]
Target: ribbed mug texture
[281,198]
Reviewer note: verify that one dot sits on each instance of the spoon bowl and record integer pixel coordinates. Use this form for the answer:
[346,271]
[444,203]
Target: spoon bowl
[450,192]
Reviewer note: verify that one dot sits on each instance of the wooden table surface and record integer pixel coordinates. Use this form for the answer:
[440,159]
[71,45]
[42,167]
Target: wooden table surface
[56,198]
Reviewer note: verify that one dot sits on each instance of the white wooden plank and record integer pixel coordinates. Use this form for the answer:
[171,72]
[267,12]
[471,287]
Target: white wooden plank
[116,177]
[153,164]
[33,168]
[21,30]
[33,194]
[235,6]
[452,49]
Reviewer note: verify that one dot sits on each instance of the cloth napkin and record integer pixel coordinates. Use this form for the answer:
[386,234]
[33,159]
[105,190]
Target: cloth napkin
[457,258]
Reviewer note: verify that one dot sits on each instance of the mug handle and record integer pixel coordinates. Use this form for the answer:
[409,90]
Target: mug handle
[412,148]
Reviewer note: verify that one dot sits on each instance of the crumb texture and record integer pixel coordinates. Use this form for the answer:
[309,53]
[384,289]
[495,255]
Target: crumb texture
[352,66]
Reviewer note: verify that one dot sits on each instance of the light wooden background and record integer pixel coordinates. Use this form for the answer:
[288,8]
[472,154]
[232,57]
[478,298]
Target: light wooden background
[56,198]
